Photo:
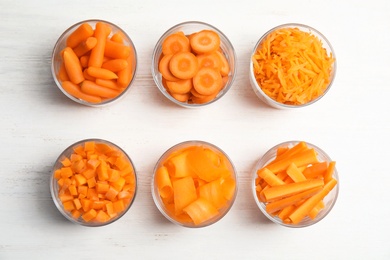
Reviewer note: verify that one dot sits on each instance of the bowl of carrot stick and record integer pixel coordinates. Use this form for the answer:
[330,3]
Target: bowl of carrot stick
[93,182]
[194,184]
[193,64]
[292,66]
[295,184]
[94,63]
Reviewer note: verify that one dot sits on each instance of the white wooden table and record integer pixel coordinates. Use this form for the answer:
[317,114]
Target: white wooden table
[351,123]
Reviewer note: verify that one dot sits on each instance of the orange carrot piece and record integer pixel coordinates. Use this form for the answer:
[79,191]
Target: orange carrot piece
[299,147]
[163,68]
[102,216]
[116,50]
[118,37]
[269,177]
[92,88]
[178,166]
[225,67]
[73,66]
[88,216]
[207,81]
[179,87]
[202,165]
[209,60]
[183,65]
[85,46]
[108,83]
[97,53]
[314,212]
[164,184]
[184,193]
[329,172]
[306,157]
[80,34]
[295,174]
[205,41]
[201,210]
[213,193]
[62,74]
[115,65]
[101,73]
[315,170]
[304,209]
[84,61]
[125,76]
[75,91]
[174,43]
[277,192]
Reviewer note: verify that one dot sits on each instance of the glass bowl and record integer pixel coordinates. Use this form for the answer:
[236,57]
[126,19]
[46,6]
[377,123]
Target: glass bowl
[210,184]
[226,49]
[125,77]
[93,182]
[277,87]
[328,201]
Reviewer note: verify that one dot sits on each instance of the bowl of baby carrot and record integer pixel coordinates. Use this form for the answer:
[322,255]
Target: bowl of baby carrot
[93,182]
[193,64]
[194,184]
[295,184]
[94,62]
[292,66]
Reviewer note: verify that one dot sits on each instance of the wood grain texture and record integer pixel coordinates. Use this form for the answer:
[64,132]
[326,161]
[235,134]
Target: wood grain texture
[351,123]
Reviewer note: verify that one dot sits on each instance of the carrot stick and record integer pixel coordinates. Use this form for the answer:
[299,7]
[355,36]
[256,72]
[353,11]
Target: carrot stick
[284,213]
[269,177]
[305,157]
[299,147]
[314,212]
[295,174]
[97,53]
[75,91]
[73,66]
[183,65]
[101,73]
[85,46]
[115,65]
[329,172]
[92,88]
[316,170]
[277,192]
[304,209]
[291,200]
[205,41]
[80,34]
[116,50]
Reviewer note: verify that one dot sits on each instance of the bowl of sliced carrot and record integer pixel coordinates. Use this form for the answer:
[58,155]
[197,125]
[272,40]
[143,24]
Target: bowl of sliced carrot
[194,184]
[295,184]
[93,182]
[292,66]
[94,62]
[193,64]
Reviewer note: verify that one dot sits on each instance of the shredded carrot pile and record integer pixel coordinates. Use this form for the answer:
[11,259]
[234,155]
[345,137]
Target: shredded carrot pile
[292,67]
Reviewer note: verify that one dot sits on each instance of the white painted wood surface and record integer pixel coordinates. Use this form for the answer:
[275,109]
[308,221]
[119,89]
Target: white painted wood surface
[351,124]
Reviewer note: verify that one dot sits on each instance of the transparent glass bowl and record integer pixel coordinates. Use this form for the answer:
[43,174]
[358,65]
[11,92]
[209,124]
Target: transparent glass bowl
[329,200]
[257,88]
[55,188]
[56,60]
[158,200]
[188,28]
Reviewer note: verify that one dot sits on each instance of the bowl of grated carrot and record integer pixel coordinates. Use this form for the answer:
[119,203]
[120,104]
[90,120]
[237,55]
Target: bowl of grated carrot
[193,64]
[295,184]
[292,66]
[93,182]
[94,63]
[194,184]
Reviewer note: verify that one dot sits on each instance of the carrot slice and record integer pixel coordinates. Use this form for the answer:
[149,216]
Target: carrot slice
[201,210]
[207,81]
[164,183]
[184,193]
[205,41]
[213,193]
[181,97]
[163,68]
[183,65]
[225,68]
[174,43]
[209,60]
[179,87]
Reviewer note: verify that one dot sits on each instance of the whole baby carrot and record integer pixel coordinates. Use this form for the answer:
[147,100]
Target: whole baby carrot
[80,34]
[101,73]
[115,65]
[85,46]
[75,91]
[92,88]
[116,50]
[97,53]
[73,66]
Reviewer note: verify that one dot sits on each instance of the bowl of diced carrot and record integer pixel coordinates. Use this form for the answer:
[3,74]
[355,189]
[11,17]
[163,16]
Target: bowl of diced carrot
[94,62]
[93,182]
[194,184]
[193,64]
[292,66]
[295,184]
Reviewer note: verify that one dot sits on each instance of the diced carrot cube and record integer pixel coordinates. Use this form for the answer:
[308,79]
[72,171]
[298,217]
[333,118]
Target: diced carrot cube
[119,206]
[66,172]
[65,197]
[92,194]
[89,173]
[65,162]
[77,203]
[91,182]
[80,179]
[89,146]
[73,190]
[68,205]
[82,190]
[86,204]
[102,171]
[124,195]
[122,163]
[113,175]
[76,213]
[88,216]
[102,187]
[102,216]
[111,193]
[93,163]
[75,157]
[119,184]
[98,204]
[57,174]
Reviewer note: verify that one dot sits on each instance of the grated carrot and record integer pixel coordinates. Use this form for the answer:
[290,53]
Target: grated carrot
[292,66]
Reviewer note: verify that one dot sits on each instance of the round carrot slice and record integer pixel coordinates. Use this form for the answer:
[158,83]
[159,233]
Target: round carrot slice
[179,87]
[225,68]
[174,43]
[207,81]
[183,65]
[181,97]
[205,41]
[209,60]
[163,67]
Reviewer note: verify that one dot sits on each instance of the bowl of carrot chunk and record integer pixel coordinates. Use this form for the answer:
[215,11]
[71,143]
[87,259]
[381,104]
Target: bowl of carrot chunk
[93,182]
[94,62]
[292,66]
[295,184]
[194,184]
[193,64]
